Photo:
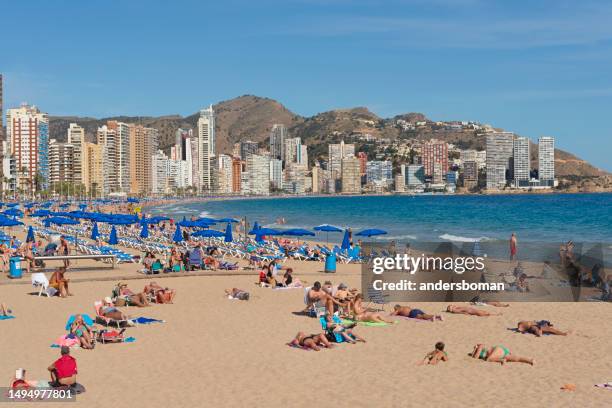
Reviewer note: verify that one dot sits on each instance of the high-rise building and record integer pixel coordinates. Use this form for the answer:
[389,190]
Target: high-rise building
[159,173]
[257,175]
[351,180]
[316,178]
[206,149]
[336,152]
[1,111]
[470,174]
[415,176]
[8,169]
[434,151]
[546,161]
[123,152]
[61,163]
[107,139]
[248,147]
[180,144]
[276,173]
[363,163]
[76,137]
[28,140]
[93,168]
[303,155]
[225,174]
[379,172]
[499,158]
[293,150]
[521,161]
[143,144]
[237,170]
[193,158]
[278,134]
[400,183]
[295,174]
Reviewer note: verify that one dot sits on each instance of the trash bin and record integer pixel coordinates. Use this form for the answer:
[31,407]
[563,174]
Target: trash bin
[15,267]
[330,263]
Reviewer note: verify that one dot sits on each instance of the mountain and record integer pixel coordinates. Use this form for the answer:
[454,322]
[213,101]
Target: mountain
[250,117]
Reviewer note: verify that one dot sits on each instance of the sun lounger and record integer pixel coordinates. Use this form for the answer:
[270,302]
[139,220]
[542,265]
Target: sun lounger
[40,281]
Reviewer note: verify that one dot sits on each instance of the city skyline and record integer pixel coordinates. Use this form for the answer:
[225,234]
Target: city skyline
[534,69]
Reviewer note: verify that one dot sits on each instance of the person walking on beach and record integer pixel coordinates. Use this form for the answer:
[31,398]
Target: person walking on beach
[513,247]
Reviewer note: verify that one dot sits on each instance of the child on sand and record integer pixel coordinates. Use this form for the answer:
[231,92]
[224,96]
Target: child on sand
[438,354]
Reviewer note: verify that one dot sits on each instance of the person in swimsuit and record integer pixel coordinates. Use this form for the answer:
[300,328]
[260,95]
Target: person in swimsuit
[159,293]
[109,310]
[64,249]
[136,299]
[312,341]
[433,357]
[237,293]
[406,311]
[478,301]
[498,354]
[59,282]
[317,294]
[346,331]
[82,332]
[469,311]
[539,328]
[361,314]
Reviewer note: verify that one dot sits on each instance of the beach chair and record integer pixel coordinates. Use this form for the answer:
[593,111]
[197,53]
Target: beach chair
[377,297]
[40,281]
[107,321]
[195,260]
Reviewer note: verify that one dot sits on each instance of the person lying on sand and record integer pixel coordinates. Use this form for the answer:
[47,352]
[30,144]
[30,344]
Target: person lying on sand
[478,301]
[159,293]
[333,328]
[237,293]
[131,298]
[82,332]
[539,328]
[361,314]
[4,311]
[317,294]
[312,341]
[469,311]
[407,311]
[438,354]
[498,354]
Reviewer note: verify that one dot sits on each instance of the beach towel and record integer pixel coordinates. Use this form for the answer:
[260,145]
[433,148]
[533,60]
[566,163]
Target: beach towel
[412,319]
[297,346]
[66,340]
[146,320]
[86,318]
[372,324]
[6,317]
[607,386]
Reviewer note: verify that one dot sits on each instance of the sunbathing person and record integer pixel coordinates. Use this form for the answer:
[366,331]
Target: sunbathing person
[346,331]
[407,311]
[478,301]
[82,332]
[498,354]
[361,314]
[159,293]
[317,294]
[237,293]
[109,310]
[131,298]
[312,341]
[59,282]
[433,357]
[539,328]
[466,310]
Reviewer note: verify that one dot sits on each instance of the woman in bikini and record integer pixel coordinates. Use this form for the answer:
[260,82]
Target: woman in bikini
[160,294]
[498,354]
[312,341]
[82,332]
[135,299]
[539,328]
[109,310]
[469,311]
[361,314]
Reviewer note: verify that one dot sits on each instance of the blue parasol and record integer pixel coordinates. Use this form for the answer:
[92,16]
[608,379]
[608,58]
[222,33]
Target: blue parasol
[112,239]
[30,237]
[94,231]
[178,236]
[228,233]
[371,232]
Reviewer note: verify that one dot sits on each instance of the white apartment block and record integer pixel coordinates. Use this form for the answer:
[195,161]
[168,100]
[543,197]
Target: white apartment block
[206,149]
[499,156]
[337,152]
[521,161]
[257,175]
[546,160]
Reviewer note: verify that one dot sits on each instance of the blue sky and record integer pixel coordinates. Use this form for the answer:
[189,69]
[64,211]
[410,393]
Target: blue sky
[533,67]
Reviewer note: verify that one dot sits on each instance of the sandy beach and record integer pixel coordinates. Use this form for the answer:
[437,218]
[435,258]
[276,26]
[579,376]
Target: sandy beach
[215,351]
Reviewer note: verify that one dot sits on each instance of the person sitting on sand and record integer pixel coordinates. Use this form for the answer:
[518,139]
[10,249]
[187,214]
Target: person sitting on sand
[317,294]
[109,310]
[406,311]
[478,301]
[498,354]
[147,261]
[59,282]
[82,332]
[235,293]
[312,341]
[361,314]
[467,310]
[539,328]
[159,293]
[131,298]
[346,331]
[63,370]
[433,357]
[4,311]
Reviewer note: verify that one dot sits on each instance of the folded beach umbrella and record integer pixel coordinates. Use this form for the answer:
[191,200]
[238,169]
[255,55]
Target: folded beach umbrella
[371,232]
[144,232]
[178,236]
[255,226]
[228,233]
[94,231]
[112,239]
[30,237]
[208,233]
[346,242]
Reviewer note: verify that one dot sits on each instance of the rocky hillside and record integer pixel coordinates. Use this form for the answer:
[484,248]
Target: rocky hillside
[251,117]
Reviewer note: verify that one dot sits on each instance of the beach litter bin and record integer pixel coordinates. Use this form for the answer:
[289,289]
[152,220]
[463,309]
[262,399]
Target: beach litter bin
[15,267]
[330,263]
